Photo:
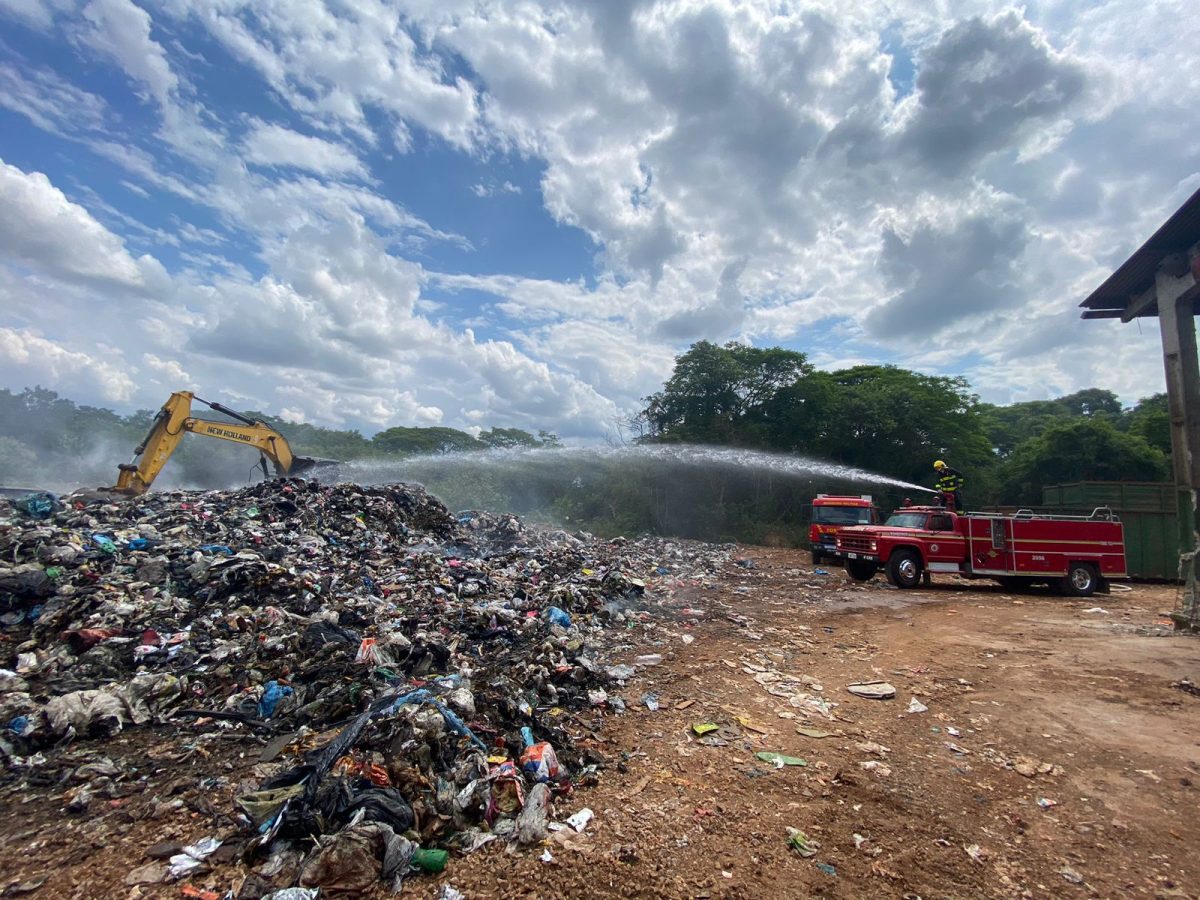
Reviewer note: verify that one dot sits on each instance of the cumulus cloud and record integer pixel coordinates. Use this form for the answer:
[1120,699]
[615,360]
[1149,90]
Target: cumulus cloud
[945,274]
[982,87]
[27,357]
[42,229]
[268,144]
[741,170]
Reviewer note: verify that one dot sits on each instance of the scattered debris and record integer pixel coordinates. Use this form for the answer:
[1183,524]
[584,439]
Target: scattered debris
[800,843]
[412,673]
[1070,875]
[815,733]
[579,821]
[1187,686]
[779,760]
[873,690]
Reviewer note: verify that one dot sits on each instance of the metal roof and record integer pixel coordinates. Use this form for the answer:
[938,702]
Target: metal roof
[1136,274]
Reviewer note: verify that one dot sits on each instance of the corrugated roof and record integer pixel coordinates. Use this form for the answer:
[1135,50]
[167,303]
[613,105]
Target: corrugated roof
[1136,274]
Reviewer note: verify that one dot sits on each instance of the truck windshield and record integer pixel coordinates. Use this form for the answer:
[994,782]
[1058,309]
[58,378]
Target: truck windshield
[842,515]
[907,520]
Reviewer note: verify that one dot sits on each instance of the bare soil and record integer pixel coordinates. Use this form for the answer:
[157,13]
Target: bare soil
[1055,759]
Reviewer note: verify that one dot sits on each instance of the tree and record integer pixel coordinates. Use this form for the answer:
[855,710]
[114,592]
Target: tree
[1091,402]
[1084,449]
[507,438]
[716,394]
[891,420]
[419,441]
[1151,421]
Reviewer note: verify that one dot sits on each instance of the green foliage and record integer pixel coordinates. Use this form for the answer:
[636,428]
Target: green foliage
[423,441]
[50,440]
[716,395]
[511,438]
[883,418]
[1078,450]
[1010,426]
[1151,421]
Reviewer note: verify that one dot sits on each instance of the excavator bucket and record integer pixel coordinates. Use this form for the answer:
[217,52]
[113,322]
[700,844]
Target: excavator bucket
[314,467]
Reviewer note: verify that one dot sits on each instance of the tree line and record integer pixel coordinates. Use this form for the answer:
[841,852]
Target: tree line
[48,439]
[897,422]
[883,419]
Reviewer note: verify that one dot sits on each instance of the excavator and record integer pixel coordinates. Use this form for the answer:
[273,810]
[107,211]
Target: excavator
[175,420]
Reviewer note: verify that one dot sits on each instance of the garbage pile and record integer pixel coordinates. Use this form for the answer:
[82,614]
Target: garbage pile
[421,682]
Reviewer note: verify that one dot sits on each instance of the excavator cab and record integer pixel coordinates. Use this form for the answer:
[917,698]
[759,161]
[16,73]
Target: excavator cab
[175,420]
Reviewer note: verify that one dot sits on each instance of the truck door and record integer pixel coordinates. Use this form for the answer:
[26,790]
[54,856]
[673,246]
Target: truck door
[991,545]
[946,547]
[1002,544]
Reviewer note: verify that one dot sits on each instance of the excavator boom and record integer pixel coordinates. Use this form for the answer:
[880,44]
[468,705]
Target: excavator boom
[175,420]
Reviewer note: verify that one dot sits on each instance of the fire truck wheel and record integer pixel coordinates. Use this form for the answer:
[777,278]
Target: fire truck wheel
[861,569]
[1082,579]
[904,569]
[816,556]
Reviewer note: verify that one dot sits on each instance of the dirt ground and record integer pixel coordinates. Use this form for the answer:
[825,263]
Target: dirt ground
[1054,758]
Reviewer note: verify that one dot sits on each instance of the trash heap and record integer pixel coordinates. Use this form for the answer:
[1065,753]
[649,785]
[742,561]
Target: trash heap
[420,682]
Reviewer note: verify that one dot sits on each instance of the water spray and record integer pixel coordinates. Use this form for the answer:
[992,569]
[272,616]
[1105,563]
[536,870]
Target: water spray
[375,472]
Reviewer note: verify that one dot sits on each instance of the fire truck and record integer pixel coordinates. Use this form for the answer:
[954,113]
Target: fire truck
[1076,554]
[830,514]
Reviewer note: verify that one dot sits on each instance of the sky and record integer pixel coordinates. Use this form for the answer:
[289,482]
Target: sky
[517,214]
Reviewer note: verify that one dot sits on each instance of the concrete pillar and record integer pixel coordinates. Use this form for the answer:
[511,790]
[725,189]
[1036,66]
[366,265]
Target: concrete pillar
[1175,287]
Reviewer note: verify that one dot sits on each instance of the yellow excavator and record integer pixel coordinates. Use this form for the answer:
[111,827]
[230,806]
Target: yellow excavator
[175,420]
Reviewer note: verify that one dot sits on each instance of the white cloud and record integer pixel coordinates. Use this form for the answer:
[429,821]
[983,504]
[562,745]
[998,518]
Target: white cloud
[169,370]
[490,189]
[268,144]
[120,30]
[42,229]
[34,13]
[744,170]
[335,66]
[29,358]
[49,101]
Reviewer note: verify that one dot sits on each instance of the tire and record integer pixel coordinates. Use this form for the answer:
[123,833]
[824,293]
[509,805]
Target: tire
[904,569]
[861,569]
[1081,581]
[816,557]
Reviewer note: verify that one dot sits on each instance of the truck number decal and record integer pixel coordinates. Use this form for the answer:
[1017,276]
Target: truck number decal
[1038,558]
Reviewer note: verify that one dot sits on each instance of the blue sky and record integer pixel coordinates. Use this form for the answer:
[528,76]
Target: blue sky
[519,214]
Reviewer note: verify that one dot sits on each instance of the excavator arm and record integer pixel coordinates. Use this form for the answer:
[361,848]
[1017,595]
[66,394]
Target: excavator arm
[175,420]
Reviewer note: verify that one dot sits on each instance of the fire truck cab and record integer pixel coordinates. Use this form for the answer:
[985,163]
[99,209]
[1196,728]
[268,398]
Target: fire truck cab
[830,514]
[1077,554]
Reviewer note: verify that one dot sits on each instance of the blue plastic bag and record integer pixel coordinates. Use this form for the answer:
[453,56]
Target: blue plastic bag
[558,617]
[39,505]
[273,692]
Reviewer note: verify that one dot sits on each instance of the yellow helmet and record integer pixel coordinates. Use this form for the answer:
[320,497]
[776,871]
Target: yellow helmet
[939,465]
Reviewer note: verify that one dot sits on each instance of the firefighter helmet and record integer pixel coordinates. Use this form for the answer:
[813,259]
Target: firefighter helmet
[939,465]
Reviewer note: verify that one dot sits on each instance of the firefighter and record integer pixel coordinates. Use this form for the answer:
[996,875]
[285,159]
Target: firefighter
[950,482]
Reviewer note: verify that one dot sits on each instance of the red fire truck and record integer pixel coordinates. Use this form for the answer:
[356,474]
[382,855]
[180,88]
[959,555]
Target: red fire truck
[1077,554]
[830,514]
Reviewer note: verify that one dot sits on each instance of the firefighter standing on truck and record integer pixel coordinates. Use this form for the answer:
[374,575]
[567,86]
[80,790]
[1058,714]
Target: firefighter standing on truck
[950,482]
